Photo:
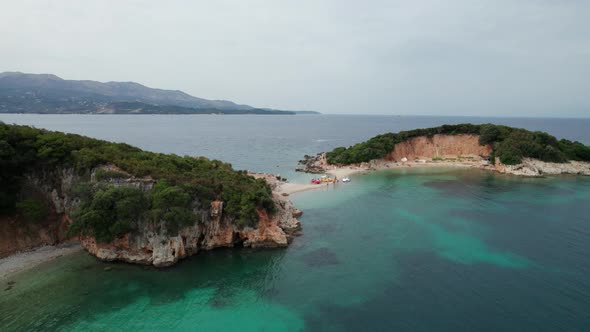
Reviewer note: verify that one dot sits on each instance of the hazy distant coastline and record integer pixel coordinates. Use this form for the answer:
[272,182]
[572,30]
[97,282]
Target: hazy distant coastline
[50,94]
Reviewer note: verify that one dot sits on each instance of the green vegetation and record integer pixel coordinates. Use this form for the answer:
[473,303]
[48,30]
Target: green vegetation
[173,205]
[32,210]
[105,174]
[106,211]
[510,144]
[110,212]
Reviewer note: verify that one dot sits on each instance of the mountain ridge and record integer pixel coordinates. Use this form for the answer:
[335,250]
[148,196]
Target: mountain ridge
[50,94]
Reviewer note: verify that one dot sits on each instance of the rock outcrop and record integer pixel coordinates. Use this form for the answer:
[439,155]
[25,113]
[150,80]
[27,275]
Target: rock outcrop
[17,234]
[16,237]
[313,164]
[440,146]
[534,167]
[448,150]
[151,243]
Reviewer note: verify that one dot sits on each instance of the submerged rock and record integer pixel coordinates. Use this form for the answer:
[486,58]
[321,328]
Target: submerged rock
[320,257]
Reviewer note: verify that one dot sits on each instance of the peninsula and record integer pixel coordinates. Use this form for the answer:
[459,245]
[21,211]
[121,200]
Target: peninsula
[125,204]
[493,147]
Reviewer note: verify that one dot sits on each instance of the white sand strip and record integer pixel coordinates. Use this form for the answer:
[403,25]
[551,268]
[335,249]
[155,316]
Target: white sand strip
[291,188]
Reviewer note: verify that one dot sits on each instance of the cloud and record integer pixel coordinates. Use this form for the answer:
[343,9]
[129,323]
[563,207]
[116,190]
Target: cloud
[459,57]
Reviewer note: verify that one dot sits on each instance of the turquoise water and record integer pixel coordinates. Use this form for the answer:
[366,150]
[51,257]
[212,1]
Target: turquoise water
[399,250]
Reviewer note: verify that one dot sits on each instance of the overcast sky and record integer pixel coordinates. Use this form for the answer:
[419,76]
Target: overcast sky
[455,57]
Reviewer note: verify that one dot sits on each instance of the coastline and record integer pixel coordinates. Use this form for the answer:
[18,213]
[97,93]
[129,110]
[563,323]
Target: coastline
[30,258]
[281,187]
[346,171]
[288,188]
[26,260]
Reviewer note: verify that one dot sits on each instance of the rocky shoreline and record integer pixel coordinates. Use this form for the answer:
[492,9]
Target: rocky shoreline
[151,243]
[444,151]
[528,168]
[537,168]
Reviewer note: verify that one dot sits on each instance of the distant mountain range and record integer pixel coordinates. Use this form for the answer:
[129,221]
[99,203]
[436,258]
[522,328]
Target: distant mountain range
[49,94]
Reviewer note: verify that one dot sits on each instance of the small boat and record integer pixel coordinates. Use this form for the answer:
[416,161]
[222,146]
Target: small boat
[346,180]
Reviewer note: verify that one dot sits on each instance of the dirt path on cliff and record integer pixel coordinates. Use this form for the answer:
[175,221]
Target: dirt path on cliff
[28,259]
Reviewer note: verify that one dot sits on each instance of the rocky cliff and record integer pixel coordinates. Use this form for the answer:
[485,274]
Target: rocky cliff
[16,237]
[440,146]
[448,150]
[18,234]
[465,147]
[151,243]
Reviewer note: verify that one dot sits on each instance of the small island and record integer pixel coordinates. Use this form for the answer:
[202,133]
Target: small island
[125,204]
[493,147]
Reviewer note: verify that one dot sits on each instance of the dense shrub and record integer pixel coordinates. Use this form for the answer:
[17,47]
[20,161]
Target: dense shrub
[488,134]
[110,213]
[105,174]
[32,210]
[574,150]
[510,144]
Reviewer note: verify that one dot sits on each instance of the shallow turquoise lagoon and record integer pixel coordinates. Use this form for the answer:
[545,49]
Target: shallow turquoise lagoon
[403,250]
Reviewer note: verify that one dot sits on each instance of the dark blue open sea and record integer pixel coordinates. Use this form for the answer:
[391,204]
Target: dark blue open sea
[399,250]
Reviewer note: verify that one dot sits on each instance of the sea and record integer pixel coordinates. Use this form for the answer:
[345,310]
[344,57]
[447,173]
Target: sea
[437,249]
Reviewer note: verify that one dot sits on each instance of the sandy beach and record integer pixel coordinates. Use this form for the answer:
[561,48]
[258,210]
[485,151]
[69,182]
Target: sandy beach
[282,187]
[28,259]
[341,172]
[291,188]
[346,171]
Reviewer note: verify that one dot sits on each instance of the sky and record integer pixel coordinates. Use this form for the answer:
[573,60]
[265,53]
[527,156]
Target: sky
[419,57]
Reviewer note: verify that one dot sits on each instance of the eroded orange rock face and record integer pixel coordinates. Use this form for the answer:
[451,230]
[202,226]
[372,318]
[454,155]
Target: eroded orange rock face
[267,234]
[439,146]
[14,237]
[151,245]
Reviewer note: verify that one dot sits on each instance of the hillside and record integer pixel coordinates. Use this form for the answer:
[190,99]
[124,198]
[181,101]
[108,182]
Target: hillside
[510,145]
[128,204]
[46,93]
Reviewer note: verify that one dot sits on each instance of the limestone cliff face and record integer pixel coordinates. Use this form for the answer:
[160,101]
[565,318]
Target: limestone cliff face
[439,146]
[17,235]
[150,244]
